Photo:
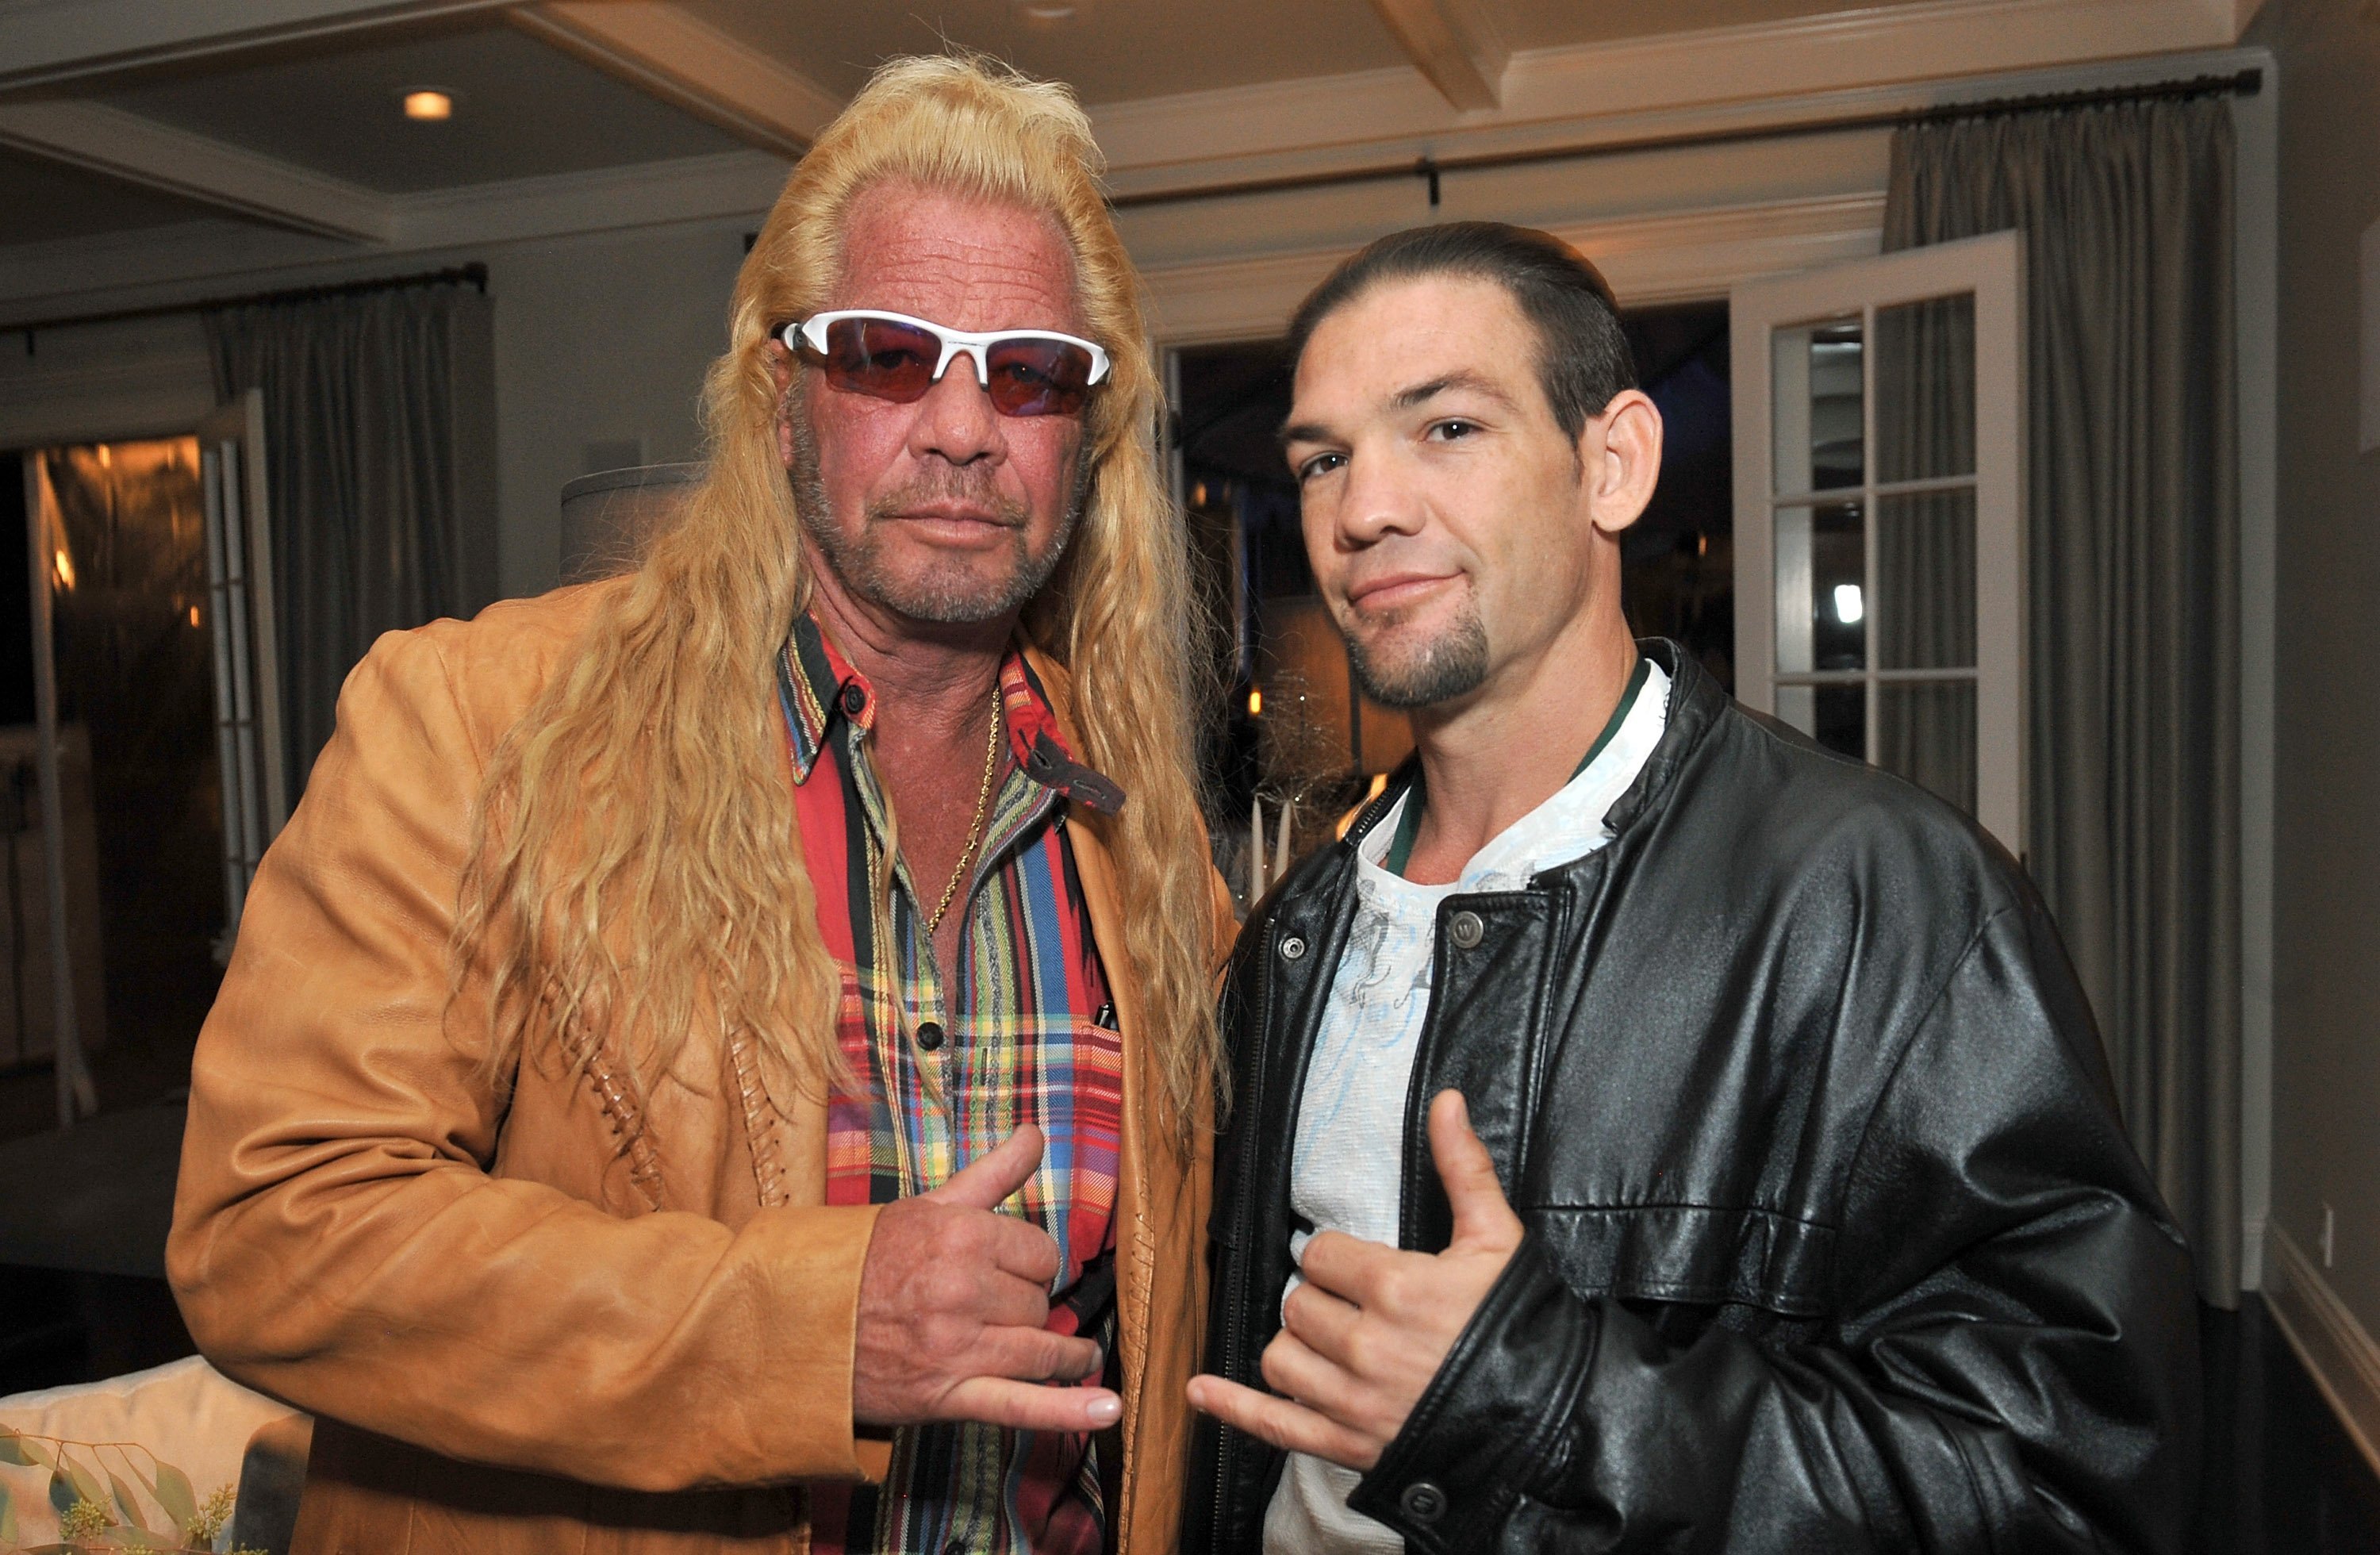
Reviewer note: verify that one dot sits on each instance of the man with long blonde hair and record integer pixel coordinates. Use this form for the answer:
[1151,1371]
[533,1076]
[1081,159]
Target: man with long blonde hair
[721,1058]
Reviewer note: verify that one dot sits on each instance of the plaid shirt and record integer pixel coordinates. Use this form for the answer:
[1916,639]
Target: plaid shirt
[1026,1035]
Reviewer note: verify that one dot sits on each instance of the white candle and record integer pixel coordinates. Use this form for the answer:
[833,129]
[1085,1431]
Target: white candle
[1281,849]
[1255,850]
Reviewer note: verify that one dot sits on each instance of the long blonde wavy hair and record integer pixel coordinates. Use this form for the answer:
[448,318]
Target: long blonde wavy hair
[630,869]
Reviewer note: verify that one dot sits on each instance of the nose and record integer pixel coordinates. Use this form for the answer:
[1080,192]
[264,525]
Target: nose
[956,421]
[1376,499]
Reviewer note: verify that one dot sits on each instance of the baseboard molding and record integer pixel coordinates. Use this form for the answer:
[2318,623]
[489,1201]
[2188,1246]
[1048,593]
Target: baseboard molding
[2338,1352]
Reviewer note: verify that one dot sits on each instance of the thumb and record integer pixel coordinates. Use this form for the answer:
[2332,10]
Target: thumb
[1482,1218]
[987,1181]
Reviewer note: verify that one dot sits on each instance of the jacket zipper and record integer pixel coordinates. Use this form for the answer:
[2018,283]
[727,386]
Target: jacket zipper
[1236,1290]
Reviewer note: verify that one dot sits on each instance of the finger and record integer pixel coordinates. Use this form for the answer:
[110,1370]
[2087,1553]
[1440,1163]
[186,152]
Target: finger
[1482,1218]
[1290,1426]
[986,1181]
[1296,1372]
[1003,1300]
[1348,1266]
[1034,1356]
[1024,1250]
[1321,1321]
[1027,1406]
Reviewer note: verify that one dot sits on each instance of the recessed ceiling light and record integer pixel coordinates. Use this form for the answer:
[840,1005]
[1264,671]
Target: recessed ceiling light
[429,105]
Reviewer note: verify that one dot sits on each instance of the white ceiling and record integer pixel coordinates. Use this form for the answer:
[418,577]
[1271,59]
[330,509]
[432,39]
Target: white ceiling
[523,109]
[282,117]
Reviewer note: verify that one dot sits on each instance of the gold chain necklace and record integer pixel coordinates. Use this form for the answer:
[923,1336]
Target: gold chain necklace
[975,832]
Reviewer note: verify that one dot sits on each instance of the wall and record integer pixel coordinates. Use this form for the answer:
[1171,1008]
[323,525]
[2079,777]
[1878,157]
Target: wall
[598,339]
[2326,845]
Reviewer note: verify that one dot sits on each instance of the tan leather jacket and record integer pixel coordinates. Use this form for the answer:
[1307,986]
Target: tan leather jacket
[613,1327]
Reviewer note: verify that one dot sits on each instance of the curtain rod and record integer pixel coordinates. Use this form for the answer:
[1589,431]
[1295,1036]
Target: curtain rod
[2243,83]
[474,275]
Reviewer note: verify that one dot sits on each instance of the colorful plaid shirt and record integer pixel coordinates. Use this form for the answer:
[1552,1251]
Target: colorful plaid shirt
[1026,1034]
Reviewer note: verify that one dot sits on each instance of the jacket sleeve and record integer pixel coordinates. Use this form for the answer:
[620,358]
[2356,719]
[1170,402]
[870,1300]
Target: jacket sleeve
[2013,1365]
[340,1239]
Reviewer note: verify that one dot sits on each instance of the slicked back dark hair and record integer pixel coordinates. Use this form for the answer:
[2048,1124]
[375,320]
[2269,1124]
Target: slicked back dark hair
[1582,357]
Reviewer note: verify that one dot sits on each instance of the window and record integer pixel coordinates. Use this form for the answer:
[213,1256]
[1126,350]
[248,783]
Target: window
[1879,590]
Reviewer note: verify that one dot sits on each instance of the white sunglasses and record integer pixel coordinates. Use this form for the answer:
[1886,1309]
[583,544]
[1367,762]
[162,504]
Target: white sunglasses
[893,356]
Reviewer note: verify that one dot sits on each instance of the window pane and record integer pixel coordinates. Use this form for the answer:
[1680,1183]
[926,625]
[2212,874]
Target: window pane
[1925,389]
[1922,604]
[1841,718]
[1835,716]
[1818,396]
[1926,733]
[1821,588]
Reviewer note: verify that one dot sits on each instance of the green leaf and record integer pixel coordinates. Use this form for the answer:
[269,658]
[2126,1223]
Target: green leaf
[36,1452]
[126,1506]
[86,1483]
[175,1495]
[62,1492]
[12,1449]
[130,1539]
[7,1516]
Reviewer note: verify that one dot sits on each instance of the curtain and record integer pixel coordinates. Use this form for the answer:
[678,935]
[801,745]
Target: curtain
[2133,631]
[379,436]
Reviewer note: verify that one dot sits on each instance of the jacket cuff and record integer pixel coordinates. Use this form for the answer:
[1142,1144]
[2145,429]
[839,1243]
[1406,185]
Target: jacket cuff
[1492,1417]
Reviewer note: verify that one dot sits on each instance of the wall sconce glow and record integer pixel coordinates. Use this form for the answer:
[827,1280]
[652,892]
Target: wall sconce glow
[429,105]
[1256,702]
[63,565]
[1046,13]
[1849,607]
[194,615]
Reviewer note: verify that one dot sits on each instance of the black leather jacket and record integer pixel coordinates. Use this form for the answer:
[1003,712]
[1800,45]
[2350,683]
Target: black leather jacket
[1834,1239]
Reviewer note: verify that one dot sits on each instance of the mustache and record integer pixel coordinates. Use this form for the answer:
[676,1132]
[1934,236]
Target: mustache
[961,484]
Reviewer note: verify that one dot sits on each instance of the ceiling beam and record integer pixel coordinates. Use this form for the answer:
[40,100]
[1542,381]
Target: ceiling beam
[1454,43]
[53,41]
[157,156]
[684,60]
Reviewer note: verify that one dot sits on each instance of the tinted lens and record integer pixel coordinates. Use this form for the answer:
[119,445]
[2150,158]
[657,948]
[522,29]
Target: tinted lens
[1038,377]
[880,358]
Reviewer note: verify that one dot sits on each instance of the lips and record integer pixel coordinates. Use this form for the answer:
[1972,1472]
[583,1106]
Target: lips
[1395,590]
[959,513]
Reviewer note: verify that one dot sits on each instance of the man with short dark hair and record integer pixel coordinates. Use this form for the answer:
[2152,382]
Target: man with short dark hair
[1649,1131]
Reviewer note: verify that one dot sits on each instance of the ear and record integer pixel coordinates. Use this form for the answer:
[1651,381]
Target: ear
[1620,451]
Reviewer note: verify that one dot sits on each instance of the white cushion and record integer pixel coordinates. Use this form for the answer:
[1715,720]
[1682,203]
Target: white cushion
[186,1412]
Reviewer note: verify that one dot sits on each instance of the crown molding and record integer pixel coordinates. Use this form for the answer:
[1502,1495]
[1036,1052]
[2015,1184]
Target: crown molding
[143,151]
[191,260]
[47,42]
[1455,43]
[671,55]
[1648,259]
[2337,1349]
[566,204]
[1715,77]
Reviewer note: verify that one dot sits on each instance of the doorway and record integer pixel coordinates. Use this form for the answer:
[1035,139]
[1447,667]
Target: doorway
[121,532]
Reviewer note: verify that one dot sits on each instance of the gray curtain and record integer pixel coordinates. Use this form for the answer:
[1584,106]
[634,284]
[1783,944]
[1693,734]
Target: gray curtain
[379,432]
[2133,570]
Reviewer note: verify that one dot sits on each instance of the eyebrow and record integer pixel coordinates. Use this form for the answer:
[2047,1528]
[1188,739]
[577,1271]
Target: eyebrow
[1405,399]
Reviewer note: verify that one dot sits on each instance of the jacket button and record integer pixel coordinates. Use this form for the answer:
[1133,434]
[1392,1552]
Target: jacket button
[929,1035]
[1292,948]
[1423,1502]
[1466,929]
[855,700]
